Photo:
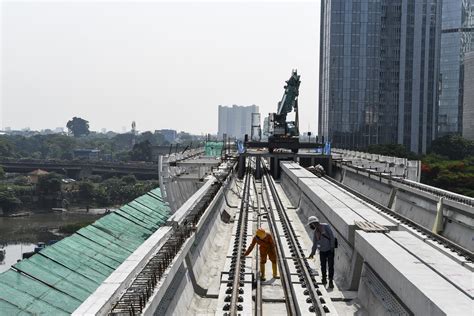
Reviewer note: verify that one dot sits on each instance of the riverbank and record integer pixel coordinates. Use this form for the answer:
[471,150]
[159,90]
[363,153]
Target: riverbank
[21,234]
[77,210]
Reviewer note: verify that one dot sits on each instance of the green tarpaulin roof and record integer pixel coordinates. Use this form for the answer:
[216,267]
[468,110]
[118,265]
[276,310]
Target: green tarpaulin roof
[213,149]
[60,277]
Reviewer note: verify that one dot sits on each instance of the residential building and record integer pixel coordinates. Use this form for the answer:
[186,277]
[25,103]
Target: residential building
[235,121]
[468,100]
[379,69]
[457,38]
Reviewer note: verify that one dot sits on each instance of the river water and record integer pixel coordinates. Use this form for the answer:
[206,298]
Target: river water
[21,234]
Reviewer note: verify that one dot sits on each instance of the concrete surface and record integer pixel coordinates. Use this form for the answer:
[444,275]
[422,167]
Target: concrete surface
[417,205]
[422,290]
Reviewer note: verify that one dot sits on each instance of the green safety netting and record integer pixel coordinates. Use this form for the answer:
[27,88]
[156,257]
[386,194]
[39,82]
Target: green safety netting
[60,277]
[213,149]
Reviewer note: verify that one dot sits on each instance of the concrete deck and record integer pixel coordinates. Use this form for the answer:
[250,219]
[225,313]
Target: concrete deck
[415,275]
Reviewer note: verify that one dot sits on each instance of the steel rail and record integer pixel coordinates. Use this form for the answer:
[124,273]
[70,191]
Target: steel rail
[238,268]
[297,252]
[258,294]
[466,253]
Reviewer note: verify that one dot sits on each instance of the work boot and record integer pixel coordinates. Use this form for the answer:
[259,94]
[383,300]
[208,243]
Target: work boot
[331,285]
[275,270]
[324,281]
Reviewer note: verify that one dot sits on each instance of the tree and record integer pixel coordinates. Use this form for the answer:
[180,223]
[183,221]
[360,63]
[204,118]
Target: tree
[50,183]
[395,150]
[454,147]
[149,136]
[101,197]
[95,178]
[113,187]
[142,151]
[59,146]
[86,190]
[123,141]
[78,127]
[8,200]
[129,179]
[6,148]
[21,180]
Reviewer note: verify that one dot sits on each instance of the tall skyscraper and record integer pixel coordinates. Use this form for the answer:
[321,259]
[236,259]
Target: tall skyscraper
[379,72]
[235,121]
[468,100]
[457,38]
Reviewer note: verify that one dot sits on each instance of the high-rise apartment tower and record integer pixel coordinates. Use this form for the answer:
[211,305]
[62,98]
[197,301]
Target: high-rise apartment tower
[457,38]
[379,71]
[235,121]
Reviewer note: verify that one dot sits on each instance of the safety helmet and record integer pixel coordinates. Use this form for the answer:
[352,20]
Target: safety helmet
[261,233]
[312,219]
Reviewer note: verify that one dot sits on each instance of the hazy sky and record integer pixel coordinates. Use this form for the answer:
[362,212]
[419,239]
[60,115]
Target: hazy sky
[161,64]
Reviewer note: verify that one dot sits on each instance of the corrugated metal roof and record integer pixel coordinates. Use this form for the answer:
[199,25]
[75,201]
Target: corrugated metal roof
[59,278]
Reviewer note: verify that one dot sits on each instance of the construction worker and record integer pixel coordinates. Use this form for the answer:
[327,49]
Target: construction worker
[324,238]
[267,248]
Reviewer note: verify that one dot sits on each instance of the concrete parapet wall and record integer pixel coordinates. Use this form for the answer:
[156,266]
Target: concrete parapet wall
[417,205]
[372,188]
[409,169]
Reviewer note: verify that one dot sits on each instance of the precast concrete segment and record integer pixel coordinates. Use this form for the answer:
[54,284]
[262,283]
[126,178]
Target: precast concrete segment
[420,288]
[340,208]
[368,212]
[295,171]
[458,275]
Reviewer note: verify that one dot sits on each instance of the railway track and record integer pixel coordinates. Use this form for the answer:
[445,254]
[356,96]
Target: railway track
[258,293]
[302,295]
[452,246]
[235,284]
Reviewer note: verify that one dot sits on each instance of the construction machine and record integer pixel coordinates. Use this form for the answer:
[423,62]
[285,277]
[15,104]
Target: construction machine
[283,133]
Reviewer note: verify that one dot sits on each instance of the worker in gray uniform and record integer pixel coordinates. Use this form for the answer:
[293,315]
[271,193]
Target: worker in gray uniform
[323,238]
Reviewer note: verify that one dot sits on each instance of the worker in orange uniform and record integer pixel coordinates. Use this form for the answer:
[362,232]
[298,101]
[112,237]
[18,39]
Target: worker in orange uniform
[267,248]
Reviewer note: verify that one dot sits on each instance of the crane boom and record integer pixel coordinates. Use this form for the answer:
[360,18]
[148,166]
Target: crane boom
[290,96]
[283,133]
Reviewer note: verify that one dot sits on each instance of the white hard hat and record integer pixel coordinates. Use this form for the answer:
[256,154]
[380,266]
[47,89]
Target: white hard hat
[312,219]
